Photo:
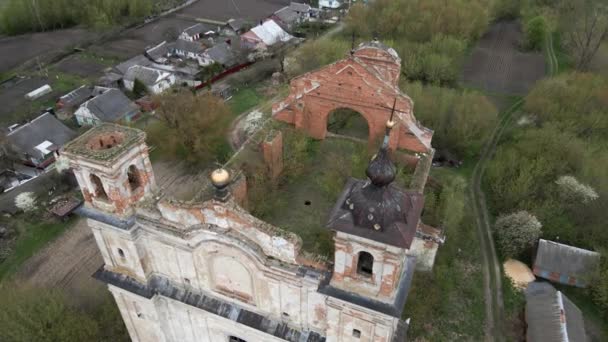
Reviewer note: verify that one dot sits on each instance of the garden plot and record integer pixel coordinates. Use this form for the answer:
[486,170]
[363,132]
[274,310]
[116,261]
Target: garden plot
[497,63]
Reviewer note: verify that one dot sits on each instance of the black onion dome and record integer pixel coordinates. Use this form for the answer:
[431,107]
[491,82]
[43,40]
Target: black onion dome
[374,207]
[381,170]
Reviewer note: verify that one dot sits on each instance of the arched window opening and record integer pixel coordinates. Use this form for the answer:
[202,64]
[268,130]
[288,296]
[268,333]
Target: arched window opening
[345,121]
[100,192]
[133,176]
[121,253]
[365,264]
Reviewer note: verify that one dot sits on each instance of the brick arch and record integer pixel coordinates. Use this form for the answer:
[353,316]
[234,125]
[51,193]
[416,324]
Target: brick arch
[363,84]
[359,111]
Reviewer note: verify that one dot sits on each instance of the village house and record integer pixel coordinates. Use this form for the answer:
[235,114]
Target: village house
[36,141]
[551,316]
[160,53]
[69,103]
[290,16]
[234,27]
[565,264]
[266,34]
[156,81]
[196,32]
[222,54]
[110,105]
[188,49]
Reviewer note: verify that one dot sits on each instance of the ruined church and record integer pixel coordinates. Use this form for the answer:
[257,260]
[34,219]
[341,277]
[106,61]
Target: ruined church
[208,270]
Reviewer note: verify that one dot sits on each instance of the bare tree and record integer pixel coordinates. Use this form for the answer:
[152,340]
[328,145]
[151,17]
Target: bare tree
[585,25]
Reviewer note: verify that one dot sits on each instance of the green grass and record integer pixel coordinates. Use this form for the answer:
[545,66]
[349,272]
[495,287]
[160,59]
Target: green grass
[243,100]
[447,304]
[32,237]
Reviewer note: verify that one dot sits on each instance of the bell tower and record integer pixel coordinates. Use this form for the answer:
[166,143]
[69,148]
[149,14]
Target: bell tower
[112,167]
[375,223]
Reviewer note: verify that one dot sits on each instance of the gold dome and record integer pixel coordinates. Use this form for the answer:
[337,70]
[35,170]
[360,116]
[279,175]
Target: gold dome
[220,178]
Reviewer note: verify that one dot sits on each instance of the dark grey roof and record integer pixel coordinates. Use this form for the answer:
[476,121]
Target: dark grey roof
[76,97]
[236,24]
[111,106]
[222,54]
[198,29]
[147,76]
[160,51]
[188,46]
[299,7]
[137,60]
[287,15]
[43,128]
[566,260]
[158,285]
[551,316]
[114,221]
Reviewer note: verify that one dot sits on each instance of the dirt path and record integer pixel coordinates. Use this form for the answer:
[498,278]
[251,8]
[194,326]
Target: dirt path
[495,317]
[67,263]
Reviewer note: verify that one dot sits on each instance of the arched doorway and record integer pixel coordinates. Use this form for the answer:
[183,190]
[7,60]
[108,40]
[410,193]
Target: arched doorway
[348,122]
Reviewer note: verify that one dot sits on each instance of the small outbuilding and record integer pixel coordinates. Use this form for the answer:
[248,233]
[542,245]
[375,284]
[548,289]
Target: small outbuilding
[110,106]
[565,264]
[551,316]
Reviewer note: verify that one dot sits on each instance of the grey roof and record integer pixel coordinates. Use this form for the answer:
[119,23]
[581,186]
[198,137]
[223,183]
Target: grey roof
[76,97]
[566,260]
[147,76]
[111,106]
[551,316]
[236,24]
[137,60]
[299,7]
[287,15]
[222,54]
[43,128]
[160,51]
[188,46]
[158,285]
[198,29]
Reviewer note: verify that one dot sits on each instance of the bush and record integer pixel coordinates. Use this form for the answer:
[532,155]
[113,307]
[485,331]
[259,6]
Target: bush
[536,31]
[516,232]
[139,88]
[461,120]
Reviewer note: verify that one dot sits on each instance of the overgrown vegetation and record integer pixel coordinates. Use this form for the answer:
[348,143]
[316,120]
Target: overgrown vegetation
[462,119]
[19,16]
[554,167]
[190,127]
[447,304]
[32,314]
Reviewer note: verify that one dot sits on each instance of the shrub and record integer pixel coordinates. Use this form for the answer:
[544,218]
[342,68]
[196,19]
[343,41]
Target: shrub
[139,88]
[516,232]
[574,191]
[536,30]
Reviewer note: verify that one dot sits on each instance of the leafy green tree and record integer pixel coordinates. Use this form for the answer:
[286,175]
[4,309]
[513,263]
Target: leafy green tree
[516,232]
[30,314]
[139,88]
[536,31]
[192,127]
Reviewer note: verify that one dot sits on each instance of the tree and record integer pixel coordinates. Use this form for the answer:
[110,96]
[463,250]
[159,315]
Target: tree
[536,30]
[30,314]
[572,190]
[139,88]
[516,232]
[584,24]
[193,127]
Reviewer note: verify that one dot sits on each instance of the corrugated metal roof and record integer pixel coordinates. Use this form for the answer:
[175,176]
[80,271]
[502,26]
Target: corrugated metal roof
[111,106]
[566,260]
[270,33]
[551,316]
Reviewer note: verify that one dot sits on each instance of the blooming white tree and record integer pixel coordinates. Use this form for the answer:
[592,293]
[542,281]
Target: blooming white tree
[573,190]
[26,201]
[516,232]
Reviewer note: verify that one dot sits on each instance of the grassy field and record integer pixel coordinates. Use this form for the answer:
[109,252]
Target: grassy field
[32,237]
[244,99]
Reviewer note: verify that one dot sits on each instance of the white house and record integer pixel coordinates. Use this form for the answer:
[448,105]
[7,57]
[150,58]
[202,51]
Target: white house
[266,34]
[156,81]
[111,105]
